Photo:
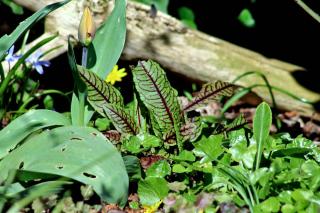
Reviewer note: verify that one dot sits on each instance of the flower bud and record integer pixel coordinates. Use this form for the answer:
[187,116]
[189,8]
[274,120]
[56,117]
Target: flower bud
[87,28]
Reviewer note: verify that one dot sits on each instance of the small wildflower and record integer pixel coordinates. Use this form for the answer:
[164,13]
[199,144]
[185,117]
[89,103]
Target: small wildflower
[36,63]
[116,75]
[87,28]
[11,57]
[153,208]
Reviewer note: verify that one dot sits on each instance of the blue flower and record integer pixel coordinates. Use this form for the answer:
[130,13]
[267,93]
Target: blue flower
[36,63]
[11,57]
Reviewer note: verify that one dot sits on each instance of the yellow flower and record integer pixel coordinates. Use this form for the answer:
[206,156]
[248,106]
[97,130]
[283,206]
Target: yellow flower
[87,28]
[116,75]
[153,208]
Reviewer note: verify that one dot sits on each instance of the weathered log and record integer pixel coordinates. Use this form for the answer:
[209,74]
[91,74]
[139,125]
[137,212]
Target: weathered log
[188,52]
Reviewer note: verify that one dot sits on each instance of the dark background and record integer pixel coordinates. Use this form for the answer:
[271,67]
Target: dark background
[283,31]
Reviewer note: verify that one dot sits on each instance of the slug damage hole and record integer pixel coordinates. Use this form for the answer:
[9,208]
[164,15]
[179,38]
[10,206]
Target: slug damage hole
[21,165]
[59,166]
[88,175]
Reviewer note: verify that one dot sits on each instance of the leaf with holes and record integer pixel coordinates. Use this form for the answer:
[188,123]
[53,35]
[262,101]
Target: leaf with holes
[26,124]
[159,97]
[121,119]
[99,91]
[79,153]
[210,92]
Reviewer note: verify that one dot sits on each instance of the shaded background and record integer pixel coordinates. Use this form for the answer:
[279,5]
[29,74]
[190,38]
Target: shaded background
[283,31]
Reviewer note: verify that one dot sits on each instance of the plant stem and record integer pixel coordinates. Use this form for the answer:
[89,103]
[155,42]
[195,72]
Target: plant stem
[81,94]
[84,57]
[308,10]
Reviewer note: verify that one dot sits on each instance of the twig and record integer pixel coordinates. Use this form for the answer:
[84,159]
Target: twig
[308,10]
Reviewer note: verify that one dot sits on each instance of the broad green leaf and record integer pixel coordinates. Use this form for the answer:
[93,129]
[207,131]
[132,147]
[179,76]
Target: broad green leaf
[146,140]
[7,41]
[79,153]
[109,41]
[272,204]
[211,146]
[261,126]
[11,190]
[210,92]
[152,190]
[26,124]
[246,18]
[121,119]
[242,153]
[33,192]
[160,168]
[160,98]
[99,92]
[133,167]
[185,155]
[186,15]
[178,168]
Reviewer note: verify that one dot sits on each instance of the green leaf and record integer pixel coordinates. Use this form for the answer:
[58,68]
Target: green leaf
[16,9]
[160,98]
[261,126]
[147,141]
[186,15]
[291,152]
[160,168]
[185,155]
[26,124]
[7,41]
[272,204]
[121,119]
[79,153]
[133,167]
[211,146]
[109,41]
[210,92]
[33,192]
[246,18]
[99,92]
[152,190]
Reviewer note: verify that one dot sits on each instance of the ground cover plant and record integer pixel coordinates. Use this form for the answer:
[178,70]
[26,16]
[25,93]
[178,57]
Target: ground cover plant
[152,152]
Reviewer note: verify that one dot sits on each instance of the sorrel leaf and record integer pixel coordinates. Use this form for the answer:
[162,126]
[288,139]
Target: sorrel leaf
[99,92]
[210,92]
[159,97]
[192,129]
[121,119]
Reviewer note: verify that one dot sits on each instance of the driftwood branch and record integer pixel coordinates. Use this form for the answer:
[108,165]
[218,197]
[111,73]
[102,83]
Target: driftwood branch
[188,52]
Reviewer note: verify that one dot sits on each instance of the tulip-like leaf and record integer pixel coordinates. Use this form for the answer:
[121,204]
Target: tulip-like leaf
[210,92]
[160,98]
[109,41]
[99,92]
[121,119]
[79,153]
